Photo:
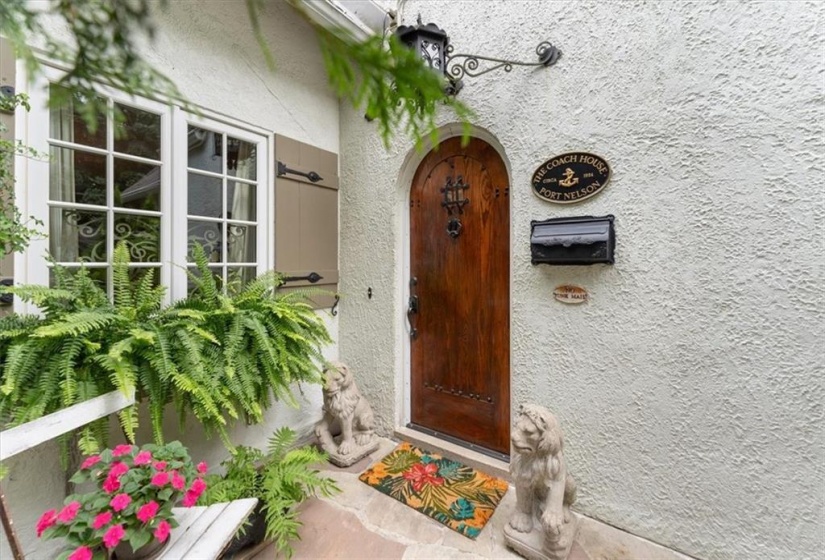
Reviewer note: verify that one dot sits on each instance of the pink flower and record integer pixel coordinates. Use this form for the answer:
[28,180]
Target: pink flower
[190,499]
[122,449]
[90,462]
[160,479]
[162,532]
[198,486]
[143,458]
[69,512]
[148,511]
[202,467]
[194,492]
[46,520]
[178,482]
[120,502]
[82,553]
[118,470]
[113,536]
[102,519]
[111,484]
[160,465]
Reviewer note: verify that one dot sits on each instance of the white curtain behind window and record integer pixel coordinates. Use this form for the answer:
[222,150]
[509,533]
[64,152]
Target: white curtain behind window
[64,234]
[241,247]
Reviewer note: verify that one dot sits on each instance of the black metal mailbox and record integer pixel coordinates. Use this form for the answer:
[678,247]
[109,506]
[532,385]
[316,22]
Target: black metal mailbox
[579,240]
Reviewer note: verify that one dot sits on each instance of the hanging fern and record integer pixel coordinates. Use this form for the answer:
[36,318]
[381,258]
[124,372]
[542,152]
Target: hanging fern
[213,356]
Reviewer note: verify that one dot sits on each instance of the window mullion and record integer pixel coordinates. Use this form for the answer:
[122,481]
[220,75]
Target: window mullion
[179,199]
[224,224]
[265,160]
[166,226]
[110,195]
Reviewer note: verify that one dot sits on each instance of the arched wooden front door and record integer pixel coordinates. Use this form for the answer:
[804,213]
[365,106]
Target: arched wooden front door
[460,283]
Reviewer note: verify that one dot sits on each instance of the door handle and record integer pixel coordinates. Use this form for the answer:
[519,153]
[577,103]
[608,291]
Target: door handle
[412,307]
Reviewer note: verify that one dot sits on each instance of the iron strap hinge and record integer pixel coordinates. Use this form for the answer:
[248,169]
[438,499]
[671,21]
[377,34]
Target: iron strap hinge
[283,170]
[312,278]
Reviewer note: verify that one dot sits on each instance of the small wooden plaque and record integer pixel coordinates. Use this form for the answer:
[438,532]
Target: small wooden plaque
[570,294]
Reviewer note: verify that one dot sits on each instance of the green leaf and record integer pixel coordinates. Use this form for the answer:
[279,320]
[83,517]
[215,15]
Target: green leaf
[140,538]
[79,477]
[100,503]
[401,461]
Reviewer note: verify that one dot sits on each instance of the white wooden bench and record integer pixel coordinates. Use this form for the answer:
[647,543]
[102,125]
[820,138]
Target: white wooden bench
[202,533]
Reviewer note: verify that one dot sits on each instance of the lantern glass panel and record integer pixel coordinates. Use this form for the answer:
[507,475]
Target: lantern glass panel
[431,52]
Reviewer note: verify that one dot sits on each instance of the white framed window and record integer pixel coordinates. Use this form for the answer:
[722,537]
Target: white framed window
[221,202]
[107,186]
[159,179]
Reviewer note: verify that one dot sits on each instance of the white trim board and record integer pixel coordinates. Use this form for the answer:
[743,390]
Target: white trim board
[21,438]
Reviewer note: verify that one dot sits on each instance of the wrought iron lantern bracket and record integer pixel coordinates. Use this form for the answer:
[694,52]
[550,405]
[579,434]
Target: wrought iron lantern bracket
[433,45]
[460,65]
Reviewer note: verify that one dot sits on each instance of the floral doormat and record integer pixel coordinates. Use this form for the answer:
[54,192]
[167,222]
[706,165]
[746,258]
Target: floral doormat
[454,494]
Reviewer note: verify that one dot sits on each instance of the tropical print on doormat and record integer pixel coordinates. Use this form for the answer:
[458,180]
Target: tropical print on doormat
[454,494]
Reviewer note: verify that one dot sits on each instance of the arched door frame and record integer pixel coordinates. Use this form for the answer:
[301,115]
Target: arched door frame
[406,174]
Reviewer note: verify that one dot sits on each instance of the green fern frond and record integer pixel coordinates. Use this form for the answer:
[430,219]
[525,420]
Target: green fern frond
[128,422]
[279,442]
[38,295]
[78,323]
[121,282]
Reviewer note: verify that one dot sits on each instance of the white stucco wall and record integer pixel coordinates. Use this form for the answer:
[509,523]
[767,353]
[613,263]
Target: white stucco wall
[207,48]
[690,388]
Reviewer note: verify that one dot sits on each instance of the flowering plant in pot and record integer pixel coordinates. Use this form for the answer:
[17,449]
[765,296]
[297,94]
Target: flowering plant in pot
[128,514]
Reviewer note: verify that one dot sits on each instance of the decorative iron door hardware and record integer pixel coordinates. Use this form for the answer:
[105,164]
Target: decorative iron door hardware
[312,176]
[312,278]
[454,227]
[454,199]
[453,193]
[412,307]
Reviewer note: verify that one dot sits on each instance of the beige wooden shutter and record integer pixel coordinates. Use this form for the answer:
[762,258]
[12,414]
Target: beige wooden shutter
[306,217]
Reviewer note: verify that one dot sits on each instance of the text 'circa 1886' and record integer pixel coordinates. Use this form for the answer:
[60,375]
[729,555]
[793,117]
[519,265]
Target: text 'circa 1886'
[570,178]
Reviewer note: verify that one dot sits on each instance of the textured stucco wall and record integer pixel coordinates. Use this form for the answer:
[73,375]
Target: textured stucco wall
[691,387]
[207,48]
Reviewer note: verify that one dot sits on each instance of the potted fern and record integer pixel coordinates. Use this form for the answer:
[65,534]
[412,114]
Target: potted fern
[281,479]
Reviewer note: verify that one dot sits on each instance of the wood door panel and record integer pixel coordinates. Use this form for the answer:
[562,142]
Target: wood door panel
[460,357]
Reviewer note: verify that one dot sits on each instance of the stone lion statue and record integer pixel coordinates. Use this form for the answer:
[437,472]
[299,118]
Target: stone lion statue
[544,488]
[345,411]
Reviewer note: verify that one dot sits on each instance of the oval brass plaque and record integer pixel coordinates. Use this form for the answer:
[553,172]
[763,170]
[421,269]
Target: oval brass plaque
[570,294]
[570,178]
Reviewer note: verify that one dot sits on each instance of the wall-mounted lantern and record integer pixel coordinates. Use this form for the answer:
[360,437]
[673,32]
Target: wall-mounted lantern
[433,44]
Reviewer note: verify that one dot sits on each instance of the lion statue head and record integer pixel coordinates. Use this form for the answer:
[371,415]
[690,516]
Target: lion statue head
[537,432]
[337,377]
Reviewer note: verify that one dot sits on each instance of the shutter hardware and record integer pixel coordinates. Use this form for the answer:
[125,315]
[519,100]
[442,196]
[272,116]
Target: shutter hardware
[312,176]
[312,278]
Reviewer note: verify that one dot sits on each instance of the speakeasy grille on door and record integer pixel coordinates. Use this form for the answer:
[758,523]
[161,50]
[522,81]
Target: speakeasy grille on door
[454,200]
